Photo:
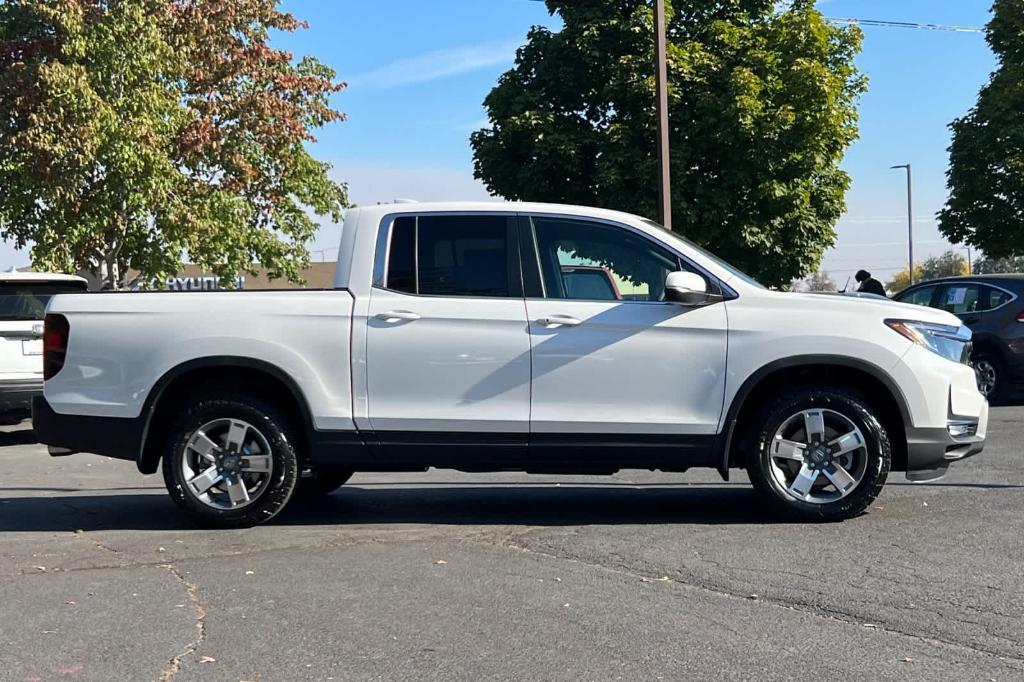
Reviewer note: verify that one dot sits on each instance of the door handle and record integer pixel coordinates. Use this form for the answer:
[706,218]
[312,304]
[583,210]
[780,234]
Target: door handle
[397,316]
[559,321]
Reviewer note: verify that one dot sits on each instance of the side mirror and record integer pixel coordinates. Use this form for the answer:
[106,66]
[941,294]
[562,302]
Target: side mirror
[687,288]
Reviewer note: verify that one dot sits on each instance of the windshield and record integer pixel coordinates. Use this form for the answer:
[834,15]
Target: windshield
[28,300]
[728,267]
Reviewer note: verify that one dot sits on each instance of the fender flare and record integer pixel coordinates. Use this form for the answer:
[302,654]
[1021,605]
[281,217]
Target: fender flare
[724,441]
[146,462]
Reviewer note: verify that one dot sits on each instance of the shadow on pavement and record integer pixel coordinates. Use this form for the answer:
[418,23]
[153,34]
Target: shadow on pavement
[19,437]
[459,505]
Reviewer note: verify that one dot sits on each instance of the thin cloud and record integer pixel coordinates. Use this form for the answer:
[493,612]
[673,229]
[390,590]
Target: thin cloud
[438,64]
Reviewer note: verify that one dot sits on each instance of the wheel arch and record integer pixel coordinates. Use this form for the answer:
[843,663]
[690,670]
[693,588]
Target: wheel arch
[233,372]
[878,386]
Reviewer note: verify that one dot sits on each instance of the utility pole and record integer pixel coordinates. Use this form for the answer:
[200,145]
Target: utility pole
[661,95]
[910,220]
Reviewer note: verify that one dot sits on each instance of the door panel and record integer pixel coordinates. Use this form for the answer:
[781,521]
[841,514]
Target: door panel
[635,365]
[447,345]
[461,365]
[627,367]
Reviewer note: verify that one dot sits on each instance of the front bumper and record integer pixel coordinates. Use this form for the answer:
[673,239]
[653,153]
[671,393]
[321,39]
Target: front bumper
[69,433]
[16,397]
[931,450]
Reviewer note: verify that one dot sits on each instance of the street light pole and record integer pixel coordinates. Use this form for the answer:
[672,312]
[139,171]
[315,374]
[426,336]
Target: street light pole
[910,220]
[661,95]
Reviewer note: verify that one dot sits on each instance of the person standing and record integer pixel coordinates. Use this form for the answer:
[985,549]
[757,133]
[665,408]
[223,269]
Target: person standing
[868,284]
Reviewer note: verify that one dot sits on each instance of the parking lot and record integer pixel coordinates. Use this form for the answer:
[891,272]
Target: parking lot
[444,575]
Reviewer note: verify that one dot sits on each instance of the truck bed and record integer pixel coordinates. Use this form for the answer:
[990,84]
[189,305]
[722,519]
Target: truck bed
[120,343]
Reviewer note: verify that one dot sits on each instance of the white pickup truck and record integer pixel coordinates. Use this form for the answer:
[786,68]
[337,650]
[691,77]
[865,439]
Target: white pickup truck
[476,337]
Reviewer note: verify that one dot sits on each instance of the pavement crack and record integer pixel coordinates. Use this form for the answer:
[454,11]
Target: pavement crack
[511,543]
[192,591]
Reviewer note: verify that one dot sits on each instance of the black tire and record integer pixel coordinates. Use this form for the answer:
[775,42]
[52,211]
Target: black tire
[274,428]
[985,361]
[875,455]
[321,483]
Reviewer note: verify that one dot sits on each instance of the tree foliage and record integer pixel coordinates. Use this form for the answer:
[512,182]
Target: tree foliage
[820,282]
[134,133]
[996,266]
[762,108]
[948,264]
[985,207]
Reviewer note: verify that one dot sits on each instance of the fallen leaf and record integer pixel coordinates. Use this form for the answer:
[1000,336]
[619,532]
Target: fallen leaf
[207,659]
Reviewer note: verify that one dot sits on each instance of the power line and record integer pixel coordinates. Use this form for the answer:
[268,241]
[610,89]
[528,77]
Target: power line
[852,21]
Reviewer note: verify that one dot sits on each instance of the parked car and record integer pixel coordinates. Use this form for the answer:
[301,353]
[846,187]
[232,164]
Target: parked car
[450,341]
[23,300]
[988,306]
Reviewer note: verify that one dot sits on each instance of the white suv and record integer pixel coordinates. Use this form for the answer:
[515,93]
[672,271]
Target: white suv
[23,300]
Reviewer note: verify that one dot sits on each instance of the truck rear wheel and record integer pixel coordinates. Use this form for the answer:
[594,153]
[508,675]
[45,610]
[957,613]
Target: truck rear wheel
[819,453]
[230,462]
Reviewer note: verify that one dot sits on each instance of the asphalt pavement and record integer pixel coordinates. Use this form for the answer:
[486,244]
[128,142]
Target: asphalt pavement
[448,576]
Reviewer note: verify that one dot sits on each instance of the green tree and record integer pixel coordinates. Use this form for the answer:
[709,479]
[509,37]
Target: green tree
[993,266]
[985,207]
[762,108]
[820,281]
[948,264]
[134,133]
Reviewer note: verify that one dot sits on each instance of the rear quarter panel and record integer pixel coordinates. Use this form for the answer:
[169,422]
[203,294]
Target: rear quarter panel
[120,345]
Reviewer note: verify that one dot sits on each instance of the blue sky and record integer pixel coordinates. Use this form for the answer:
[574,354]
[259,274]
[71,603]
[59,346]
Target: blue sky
[418,72]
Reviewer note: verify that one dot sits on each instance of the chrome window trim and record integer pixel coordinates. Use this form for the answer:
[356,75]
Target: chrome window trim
[950,282]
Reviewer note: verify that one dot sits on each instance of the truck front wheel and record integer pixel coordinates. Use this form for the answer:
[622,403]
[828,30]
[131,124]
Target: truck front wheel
[819,453]
[229,461]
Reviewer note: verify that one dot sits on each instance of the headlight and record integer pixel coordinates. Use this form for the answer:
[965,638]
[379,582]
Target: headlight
[952,343]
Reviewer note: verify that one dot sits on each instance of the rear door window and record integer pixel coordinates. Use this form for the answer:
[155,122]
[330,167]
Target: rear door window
[960,299]
[452,256]
[27,301]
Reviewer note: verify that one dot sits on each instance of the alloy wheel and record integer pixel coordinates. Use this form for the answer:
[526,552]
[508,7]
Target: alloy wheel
[986,373]
[818,456]
[227,464]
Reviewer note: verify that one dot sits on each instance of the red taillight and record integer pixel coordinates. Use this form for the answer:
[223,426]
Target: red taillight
[55,344]
[1020,316]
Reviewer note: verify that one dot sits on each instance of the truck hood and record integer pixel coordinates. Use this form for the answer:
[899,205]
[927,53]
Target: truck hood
[869,306]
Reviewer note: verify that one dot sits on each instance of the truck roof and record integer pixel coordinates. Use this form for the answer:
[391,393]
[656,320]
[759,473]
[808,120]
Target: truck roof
[491,206]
